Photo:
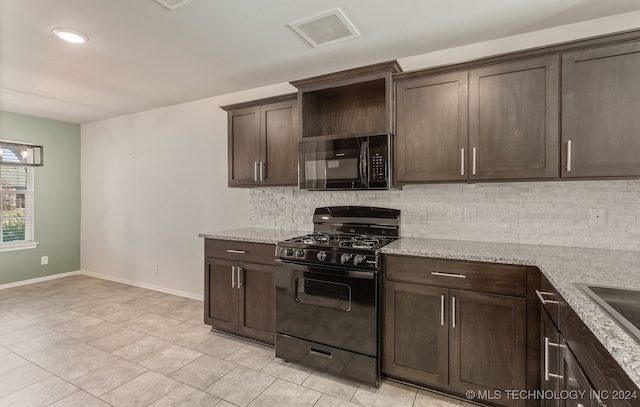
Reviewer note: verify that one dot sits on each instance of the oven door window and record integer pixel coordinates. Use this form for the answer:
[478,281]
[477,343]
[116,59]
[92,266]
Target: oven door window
[323,294]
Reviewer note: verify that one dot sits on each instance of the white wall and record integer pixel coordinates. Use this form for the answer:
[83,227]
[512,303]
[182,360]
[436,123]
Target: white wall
[151,182]
[541,38]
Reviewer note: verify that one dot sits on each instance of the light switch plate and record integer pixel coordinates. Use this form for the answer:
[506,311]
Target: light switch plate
[44,260]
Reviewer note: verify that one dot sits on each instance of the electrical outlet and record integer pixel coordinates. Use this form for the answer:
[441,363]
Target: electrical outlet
[597,217]
[470,213]
[44,260]
[155,267]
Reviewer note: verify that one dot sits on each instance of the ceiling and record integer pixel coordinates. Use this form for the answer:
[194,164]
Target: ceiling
[142,55]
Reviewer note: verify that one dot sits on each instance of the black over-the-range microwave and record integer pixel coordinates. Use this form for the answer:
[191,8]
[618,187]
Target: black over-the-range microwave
[346,163]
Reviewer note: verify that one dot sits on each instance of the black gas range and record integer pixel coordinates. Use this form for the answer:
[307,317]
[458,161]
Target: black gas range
[327,291]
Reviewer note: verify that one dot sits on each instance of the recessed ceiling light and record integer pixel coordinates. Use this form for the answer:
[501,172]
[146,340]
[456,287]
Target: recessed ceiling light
[70,35]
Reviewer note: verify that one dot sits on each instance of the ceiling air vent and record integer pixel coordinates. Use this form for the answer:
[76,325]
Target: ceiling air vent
[173,4]
[326,28]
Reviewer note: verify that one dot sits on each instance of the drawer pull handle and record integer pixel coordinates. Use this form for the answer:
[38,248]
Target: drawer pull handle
[236,251]
[543,300]
[322,354]
[441,274]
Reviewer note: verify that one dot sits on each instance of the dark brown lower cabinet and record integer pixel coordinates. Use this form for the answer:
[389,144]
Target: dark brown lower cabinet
[416,340]
[239,295]
[222,308]
[487,343]
[455,340]
[257,304]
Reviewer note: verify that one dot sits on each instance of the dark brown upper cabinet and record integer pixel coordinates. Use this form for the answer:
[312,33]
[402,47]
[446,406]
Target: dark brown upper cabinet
[514,120]
[263,142]
[431,129]
[356,102]
[600,112]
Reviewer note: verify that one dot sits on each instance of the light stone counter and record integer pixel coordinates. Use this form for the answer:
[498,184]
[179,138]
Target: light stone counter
[255,235]
[564,267]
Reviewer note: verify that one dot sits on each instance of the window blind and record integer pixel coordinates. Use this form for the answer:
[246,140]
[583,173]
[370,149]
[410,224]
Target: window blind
[17,199]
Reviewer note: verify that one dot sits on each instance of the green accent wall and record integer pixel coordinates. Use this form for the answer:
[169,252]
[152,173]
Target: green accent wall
[57,198]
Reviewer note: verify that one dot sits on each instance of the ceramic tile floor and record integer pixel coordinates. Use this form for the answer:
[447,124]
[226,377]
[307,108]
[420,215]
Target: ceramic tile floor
[85,342]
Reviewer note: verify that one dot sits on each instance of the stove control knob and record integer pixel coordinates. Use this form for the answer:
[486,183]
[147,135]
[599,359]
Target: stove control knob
[300,253]
[357,259]
[345,258]
[288,252]
[322,255]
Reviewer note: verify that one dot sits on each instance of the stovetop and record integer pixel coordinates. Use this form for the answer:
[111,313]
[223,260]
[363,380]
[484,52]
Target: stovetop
[344,236]
[357,251]
[343,240]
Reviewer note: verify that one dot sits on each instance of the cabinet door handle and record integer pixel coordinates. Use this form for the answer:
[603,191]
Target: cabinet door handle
[543,300]
[261,165]
[546,359]
[236,251]
[441,274]
[453,312]
[547,344]
[473,162]
[255,171]
[233,276]
[569,156]
[239,276]
[442,310]
[462,161]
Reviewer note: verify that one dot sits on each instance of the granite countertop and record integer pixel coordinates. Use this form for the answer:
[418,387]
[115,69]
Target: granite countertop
[255,235]
[563,266]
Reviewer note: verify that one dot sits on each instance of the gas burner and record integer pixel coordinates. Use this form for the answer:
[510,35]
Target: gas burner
[364,242]
[317,238]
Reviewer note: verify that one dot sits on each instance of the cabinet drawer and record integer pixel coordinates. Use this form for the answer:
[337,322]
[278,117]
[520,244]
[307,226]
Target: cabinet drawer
[472,276]
[549,298]
[240,251]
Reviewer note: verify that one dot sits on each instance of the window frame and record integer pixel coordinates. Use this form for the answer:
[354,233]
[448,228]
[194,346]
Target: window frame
[29,205]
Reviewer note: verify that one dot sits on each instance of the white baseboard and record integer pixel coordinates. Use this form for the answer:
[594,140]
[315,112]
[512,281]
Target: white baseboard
[105,277]
[39,279]
[144,285]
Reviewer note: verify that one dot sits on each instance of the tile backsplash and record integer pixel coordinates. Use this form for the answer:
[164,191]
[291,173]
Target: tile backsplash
[542,213]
